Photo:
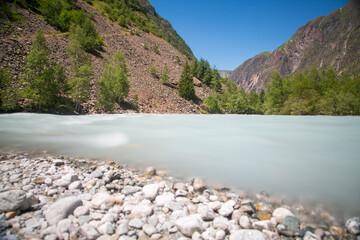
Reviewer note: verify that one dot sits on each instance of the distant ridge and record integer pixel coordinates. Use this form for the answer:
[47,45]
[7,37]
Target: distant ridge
[327,41]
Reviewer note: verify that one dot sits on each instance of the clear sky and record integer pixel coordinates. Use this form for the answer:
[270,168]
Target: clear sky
[228,32]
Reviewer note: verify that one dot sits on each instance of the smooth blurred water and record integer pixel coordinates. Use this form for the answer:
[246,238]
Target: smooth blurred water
[307,156]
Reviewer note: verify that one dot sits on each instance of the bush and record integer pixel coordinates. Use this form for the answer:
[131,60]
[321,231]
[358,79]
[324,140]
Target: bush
[156,49]
[164,77]
[153,72]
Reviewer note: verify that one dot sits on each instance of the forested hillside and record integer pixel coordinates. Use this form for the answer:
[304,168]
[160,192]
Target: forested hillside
[71,56]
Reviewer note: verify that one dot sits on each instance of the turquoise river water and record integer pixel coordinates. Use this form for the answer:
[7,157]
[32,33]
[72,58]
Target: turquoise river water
[312,157]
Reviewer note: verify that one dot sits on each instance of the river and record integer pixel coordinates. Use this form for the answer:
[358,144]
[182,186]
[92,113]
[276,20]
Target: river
[310,157]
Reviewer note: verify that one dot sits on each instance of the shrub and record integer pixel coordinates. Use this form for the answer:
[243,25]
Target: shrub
[164,77]
[153,72]
[156,49]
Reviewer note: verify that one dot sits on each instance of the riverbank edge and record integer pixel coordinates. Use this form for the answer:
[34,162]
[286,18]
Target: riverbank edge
[112,198]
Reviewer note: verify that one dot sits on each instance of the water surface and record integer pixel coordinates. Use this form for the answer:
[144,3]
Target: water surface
[314,157]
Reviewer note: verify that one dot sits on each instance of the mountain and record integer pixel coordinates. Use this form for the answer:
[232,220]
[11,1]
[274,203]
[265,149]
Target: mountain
[146,40]
[327,41]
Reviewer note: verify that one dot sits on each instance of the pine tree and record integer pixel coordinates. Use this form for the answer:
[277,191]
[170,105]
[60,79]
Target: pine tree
[186,84]
[43,81]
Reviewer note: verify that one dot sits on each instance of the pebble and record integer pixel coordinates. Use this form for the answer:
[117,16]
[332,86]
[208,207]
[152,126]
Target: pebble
[247,235]
[281,213]
[93,200]
[353,225]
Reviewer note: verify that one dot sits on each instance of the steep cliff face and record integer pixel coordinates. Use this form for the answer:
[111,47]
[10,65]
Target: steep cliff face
[327,41]
[151,95]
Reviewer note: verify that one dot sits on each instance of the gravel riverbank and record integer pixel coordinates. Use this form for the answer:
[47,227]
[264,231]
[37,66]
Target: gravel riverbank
[47,197]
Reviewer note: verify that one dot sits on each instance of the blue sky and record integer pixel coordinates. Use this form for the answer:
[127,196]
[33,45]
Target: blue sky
[228,32]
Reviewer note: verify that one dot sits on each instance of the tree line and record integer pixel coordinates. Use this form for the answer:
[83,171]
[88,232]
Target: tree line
[309,92]
[45,84]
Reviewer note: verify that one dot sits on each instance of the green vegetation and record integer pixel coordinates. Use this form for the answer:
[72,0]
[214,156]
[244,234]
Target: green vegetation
[146,47]
[156,49]
[186,84]
[165,77]
[305,93]
[311,92]
[44,81]
[153,72]
[81,70]
[114,85]
[129,13]
[9,94]
[202,71]
[65,15]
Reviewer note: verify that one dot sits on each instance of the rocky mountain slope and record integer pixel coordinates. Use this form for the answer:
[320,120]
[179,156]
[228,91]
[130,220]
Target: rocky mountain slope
[327,41]
[152,96]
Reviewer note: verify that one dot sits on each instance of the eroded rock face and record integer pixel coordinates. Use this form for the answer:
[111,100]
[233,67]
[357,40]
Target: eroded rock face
[327,41]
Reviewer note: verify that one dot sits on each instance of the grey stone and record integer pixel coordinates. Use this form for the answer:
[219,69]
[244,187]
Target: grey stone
[150,191]
[245,222]
[127,190]
[311,236]
[153,220]
[353,225]
[82,210]
[149,229]
[199,184]
[109,217]
[292,226]
[32,224]
[64,225]
[164,198]
[97,174]
[281,213]
[269,235]
[221,223]
[75,185]
[106,228]
[173,206]
[150,171]
[122,229]
[89,231]
[13,200]
[84,219]
[61,209]
[181,193]
[100,198]
[227,209]
[220,235]
[136,223]
[189,224]
[144,209]
[260,225]
[246,234]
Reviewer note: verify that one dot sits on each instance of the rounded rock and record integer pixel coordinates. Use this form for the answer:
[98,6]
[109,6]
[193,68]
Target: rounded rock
[281,213]
[353,225]
[247,235]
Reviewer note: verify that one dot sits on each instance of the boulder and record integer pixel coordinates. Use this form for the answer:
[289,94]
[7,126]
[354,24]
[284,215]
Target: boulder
[13,200]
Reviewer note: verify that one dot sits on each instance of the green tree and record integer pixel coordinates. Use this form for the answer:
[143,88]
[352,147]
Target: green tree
[153,72]
[9,94]
[212,103]
[81,70]
[186,84]
[44,80]
[165,77]
[114,85]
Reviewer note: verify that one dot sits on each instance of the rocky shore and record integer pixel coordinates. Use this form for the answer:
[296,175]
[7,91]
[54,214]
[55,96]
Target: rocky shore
[47,197]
